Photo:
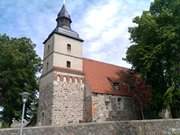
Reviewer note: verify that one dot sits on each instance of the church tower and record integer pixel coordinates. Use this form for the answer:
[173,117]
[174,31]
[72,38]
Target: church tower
[62,80]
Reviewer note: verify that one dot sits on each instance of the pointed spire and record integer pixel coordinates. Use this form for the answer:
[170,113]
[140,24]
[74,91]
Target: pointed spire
[64,18]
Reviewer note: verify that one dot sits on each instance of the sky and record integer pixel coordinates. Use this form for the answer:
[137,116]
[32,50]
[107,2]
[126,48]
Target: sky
[102,24]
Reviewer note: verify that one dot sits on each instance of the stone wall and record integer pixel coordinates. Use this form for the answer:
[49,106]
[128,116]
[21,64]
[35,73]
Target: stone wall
[45,100]
[110,108]
[65,99]
[68,100]
[61,99]
[153,127]
[87,104]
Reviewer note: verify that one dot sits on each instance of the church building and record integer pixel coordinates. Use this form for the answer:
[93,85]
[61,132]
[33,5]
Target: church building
[74,89]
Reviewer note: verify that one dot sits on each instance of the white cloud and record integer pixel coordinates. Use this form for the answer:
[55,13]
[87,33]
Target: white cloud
[104,28]
[102,24]
[98,18]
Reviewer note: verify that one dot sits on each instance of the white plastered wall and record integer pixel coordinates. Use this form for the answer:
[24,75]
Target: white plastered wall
[62,55]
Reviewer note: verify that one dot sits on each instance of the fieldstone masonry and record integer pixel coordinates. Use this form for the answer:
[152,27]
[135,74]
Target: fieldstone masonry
[113,108]
[68,101]
[45,104]
[61,100]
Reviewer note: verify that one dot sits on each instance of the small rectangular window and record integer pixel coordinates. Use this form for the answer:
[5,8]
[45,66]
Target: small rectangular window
[120,104]
[116,85]
[68,64]
[48,48]
[119,100]
[47,66]
[68,47]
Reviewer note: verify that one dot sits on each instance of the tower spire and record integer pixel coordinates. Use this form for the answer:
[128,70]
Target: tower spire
[63,26]
[64,18]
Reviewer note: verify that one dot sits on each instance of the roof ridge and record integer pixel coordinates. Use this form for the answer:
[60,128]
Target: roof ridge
[105,63]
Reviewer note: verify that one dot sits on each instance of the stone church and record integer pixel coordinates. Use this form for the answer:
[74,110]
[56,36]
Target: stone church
[74,89]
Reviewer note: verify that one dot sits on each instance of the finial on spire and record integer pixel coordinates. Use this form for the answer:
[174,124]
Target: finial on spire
[63,18]
[64,2]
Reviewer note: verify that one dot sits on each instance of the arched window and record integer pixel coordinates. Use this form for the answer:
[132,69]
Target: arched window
[69,47]
[68,64]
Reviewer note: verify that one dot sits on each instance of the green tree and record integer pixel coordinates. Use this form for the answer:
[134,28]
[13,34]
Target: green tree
[155,53]
[139,90]
[19,65]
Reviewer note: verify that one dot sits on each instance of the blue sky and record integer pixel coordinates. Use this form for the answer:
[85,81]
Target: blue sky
[103,24]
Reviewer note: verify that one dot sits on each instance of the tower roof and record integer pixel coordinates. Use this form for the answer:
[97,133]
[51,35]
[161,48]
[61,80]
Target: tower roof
[64,13]
[64,25]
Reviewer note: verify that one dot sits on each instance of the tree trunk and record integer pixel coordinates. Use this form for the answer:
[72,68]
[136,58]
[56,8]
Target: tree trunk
[142,113]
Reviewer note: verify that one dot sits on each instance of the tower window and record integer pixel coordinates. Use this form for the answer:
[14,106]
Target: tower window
[48,48]
[69,47]
[68,64]
[47,66]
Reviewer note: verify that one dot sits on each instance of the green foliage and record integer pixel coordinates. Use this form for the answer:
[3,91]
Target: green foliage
[139,90]
[19,65]
[155,52]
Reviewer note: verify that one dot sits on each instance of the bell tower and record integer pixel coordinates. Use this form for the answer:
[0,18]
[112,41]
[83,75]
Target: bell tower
[62,79]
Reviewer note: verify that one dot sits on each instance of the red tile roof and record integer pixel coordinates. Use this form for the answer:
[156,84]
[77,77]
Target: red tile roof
[99,76]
